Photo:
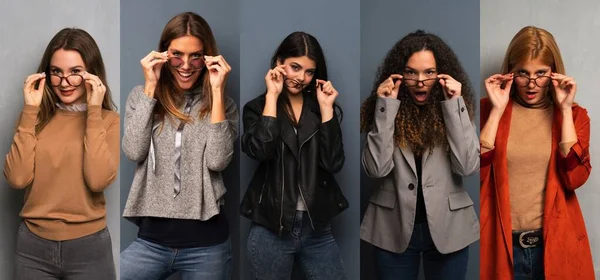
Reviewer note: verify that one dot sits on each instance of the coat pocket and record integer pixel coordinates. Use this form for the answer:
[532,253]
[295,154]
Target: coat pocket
[384,198]
[459,200]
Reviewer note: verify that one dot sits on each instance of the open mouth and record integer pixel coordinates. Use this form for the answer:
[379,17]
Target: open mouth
[530,95]
[185,76]
[421,96]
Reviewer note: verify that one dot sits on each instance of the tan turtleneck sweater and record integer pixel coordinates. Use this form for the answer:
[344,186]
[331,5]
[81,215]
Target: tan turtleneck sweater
[528,155]
[64,170]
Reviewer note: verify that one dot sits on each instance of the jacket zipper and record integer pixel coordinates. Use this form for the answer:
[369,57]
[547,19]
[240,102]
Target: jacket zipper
[262,189]
[299,188]
[282,190]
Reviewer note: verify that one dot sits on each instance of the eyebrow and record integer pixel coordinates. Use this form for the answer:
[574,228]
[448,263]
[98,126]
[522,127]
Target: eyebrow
[72,68]
[538,70]
[409,68]
[196,52]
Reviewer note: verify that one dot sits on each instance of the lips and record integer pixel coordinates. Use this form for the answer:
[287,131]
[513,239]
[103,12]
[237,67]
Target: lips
[66,92]
[530,95]
[421,96]
[185,76]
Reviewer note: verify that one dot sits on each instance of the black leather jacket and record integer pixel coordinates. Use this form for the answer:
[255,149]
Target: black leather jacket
[290,163]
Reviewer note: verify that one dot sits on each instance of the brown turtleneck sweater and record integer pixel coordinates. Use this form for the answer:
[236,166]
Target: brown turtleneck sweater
[64,170]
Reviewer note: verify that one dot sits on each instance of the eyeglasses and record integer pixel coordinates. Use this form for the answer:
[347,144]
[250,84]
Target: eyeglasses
[541,81]
[194,63]
[293,83]
[415,82]
[73,80]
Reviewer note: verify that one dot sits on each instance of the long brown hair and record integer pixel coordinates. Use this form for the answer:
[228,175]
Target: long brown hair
[167,93]
[532,43]
[419,127]
[71,39]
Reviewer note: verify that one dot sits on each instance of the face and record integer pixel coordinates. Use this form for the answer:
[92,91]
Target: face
[66,76]
[532,80]
[186,60]
[420,75]
[300,72]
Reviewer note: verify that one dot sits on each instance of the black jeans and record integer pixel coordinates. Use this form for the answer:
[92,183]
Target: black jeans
[89,257]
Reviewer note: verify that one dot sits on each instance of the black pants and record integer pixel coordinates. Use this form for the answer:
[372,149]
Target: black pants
[89,257]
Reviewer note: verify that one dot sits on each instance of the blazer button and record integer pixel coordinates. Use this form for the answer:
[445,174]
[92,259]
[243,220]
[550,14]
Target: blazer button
[341,205]
[382,109]
[462,109]
[249,211]
[324,184]
[411,186]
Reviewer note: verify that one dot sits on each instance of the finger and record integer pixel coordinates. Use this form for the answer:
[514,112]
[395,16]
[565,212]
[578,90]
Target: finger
[396,76]
[397,84]
[281,71]
[445,77]
[494,77]
[155,55]
[443,83]
[42,83]
[508,84]
[151,64]
[216,68]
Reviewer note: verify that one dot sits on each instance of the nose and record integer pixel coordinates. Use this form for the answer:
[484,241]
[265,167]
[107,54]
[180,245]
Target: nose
[64,83]
[531,84]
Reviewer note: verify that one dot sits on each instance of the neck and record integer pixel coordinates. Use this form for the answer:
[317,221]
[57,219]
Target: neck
[543,103]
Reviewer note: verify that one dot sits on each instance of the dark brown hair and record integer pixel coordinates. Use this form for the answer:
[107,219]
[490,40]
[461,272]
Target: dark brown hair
[71,39]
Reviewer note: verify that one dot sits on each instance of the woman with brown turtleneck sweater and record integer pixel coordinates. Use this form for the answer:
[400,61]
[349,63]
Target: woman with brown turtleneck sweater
[534,154]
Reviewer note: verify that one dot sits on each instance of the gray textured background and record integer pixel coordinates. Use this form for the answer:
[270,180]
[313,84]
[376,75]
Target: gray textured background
[575,27]
[383,23]
[335,24]
[25,31]
[141,25]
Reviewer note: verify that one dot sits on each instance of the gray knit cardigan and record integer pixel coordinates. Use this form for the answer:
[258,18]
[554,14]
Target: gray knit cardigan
[207,148]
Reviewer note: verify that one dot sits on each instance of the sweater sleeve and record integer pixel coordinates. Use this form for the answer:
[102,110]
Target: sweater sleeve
[19,164]
[221,137]
[138,124]
[101,154]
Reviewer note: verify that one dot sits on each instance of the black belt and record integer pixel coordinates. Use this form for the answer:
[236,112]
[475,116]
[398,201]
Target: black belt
[527,239]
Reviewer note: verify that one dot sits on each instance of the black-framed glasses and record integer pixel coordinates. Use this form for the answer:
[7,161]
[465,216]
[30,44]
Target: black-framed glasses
[541,81]
[194,63]
[293,83]
[73,80]
[416,82]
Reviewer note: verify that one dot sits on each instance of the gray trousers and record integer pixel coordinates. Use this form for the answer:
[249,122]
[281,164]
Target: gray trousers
[89,257]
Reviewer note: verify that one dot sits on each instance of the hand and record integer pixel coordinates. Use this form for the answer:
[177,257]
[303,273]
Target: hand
[499,96]
[388,88]
[565,89]
[32,95]
[451,87]
[151,65]
[326,93]
[95,89]
[274,79]
[218,70]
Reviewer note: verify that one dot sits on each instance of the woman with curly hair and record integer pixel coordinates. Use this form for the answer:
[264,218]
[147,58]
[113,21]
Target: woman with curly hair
[420,142]
[535,143]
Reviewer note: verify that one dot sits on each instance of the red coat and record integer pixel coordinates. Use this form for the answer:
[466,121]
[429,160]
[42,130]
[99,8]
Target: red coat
[567,252]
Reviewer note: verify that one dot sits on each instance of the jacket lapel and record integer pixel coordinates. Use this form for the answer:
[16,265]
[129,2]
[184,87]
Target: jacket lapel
[409,156]
[500,169]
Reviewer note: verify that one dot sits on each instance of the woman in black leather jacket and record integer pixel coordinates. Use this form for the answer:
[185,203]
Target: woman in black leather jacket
[294,132]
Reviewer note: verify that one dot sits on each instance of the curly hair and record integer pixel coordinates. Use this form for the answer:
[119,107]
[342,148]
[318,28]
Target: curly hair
[418,127]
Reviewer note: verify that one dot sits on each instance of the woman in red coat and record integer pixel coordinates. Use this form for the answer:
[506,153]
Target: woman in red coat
[534,154]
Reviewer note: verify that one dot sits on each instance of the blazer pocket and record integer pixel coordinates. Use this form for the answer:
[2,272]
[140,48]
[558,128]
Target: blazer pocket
[384,198]
[459,200]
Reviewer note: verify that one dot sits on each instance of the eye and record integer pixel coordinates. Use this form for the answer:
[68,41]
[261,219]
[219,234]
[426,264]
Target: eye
[295,67]
[177,54]
[541,72]
[522,73]
[429,72]
[76,71]
[55,71]
[410,72]
[196,56]
[310,72]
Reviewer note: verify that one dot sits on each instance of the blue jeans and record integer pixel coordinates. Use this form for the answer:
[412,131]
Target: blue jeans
[145,260]
[435,264]
[529,263]
[273,257]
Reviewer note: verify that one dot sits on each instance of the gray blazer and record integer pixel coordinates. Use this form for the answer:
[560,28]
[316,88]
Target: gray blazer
[389,219]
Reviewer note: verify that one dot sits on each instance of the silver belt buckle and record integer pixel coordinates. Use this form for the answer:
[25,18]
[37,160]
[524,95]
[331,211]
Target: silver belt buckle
[521,239]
